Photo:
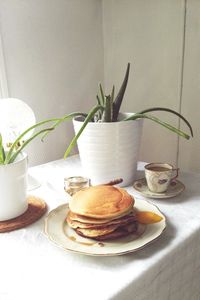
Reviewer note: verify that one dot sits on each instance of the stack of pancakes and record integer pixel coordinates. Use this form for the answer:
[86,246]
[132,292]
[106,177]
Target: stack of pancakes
[102,212]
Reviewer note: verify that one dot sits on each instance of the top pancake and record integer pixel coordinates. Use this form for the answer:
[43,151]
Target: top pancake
[101,202]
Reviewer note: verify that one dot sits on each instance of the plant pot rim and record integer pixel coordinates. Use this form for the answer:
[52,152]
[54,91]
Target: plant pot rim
[81,119]
[22,156]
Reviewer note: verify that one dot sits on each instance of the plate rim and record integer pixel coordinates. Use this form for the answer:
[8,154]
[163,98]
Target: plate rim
[157,195]
[66,205]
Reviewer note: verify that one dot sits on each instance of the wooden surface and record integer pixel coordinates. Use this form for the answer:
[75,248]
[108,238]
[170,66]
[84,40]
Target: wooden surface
[36,209]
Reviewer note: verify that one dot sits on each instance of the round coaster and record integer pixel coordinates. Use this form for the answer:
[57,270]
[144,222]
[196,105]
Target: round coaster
[36,209]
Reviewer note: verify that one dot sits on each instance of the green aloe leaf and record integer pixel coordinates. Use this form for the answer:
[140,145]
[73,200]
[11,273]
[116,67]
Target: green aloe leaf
[107,114]
[13,147]
[102,95]
[164,124]
[65,118]
[2,152]
[118,100]
[98,100]
[13,157]
[99,114]
[171,111]
[57,121]
[87,120]
[113,93]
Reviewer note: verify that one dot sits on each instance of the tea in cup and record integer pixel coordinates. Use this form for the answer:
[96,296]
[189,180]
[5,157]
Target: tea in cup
[159,176]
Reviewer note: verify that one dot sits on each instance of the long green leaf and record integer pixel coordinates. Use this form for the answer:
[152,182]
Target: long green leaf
[102,95]
[164,124]
[113,93]
[2,152]
[56,121]
[118,100]
[12,148]
[65,118]
[13,157]
[107,114]
[87,120]
[98,100]
[99,114]
[171,111]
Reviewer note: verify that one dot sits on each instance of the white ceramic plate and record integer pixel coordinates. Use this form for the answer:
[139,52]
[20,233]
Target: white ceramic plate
[63,236]
[175,188]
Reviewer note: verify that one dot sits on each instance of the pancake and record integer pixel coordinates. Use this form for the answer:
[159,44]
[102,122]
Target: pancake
[115,234]
[89,220]
[120,221]
[96,232]
[101,202]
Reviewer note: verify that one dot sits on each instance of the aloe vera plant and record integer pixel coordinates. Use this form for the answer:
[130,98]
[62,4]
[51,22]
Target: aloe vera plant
[108,107]
[106,110]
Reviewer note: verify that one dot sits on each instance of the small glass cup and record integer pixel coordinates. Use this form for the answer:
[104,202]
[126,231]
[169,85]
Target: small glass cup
[75,183]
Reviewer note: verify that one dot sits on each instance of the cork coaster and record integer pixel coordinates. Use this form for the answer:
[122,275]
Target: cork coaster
[36,209]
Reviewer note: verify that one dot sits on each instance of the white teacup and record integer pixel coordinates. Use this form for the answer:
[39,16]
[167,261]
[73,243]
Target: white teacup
[159,176]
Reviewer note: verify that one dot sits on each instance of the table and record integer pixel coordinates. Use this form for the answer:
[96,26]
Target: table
[31,267]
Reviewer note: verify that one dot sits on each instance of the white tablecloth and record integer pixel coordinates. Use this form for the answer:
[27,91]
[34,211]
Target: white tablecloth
[168,269]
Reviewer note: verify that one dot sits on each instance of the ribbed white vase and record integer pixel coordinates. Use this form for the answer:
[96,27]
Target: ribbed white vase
[13,188]
[109,150]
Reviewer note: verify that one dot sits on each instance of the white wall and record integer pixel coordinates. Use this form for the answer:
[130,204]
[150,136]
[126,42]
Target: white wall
[190,152]
[54,60]
[161,39]
[149,35]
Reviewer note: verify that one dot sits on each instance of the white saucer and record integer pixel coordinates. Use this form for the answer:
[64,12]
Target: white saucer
[175,188]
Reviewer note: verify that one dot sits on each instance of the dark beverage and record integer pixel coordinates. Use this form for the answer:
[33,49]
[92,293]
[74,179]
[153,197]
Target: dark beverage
[158,169]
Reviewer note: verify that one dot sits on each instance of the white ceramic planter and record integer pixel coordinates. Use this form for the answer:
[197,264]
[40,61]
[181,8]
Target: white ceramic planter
[13,188]
[109,150]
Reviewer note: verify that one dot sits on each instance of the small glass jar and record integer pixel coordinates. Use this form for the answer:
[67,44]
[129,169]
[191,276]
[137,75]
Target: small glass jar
[75,183]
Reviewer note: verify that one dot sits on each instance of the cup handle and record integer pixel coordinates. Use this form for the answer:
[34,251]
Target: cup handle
[177,171]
